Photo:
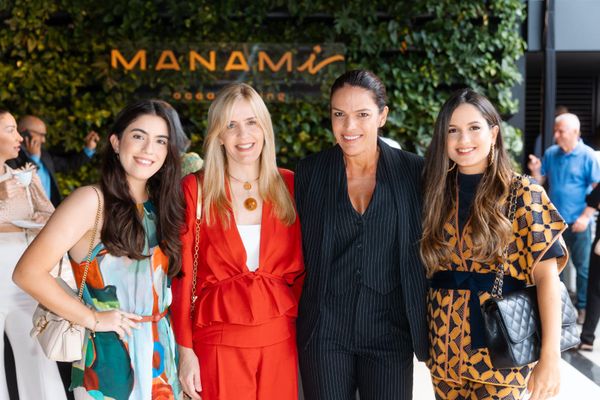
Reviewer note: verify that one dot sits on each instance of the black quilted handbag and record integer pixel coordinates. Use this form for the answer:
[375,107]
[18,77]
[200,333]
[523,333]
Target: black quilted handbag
[513,330]
[512,322]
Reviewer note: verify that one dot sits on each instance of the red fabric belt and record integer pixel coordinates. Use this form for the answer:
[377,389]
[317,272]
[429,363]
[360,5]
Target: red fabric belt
[154,317]
[253,275]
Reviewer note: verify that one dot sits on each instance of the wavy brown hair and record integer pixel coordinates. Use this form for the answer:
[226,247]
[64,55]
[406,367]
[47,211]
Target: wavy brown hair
[491,230]
[123,233]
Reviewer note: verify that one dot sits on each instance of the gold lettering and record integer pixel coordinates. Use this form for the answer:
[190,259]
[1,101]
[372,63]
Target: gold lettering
[241,65]
[117,58]
[209,65]
[309,65]
[326,62]
[286,59]
[170,64]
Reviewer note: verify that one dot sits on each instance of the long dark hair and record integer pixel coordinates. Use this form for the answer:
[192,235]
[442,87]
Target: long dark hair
[123,233]
[491,230]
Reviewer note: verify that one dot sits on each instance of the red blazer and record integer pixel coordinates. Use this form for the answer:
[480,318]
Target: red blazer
[228,293]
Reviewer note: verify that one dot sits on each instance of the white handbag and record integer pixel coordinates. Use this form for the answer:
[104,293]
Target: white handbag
[62,340]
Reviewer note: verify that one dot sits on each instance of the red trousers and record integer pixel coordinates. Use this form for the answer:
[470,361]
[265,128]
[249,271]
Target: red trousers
[249,373]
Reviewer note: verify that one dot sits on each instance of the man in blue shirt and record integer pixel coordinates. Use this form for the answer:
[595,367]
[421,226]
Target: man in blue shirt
[33,129]
[572,170]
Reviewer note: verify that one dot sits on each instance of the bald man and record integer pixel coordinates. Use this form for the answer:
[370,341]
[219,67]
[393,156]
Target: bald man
[572,170]
[34,132]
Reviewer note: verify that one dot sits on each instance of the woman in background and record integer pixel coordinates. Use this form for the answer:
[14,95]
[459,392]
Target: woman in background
[22,199]
[468,181]
[137,212]
[236,300]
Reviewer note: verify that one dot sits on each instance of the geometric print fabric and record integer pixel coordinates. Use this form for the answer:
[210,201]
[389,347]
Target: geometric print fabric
[537,225]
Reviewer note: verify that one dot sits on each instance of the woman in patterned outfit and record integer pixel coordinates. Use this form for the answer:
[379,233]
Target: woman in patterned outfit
[130,353]
[463,245]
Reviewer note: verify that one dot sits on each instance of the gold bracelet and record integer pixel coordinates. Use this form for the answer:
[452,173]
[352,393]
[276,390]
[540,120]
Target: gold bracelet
[97,321]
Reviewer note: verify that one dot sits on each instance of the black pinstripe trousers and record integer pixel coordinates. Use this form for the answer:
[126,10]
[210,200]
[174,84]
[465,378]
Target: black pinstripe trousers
[357,347]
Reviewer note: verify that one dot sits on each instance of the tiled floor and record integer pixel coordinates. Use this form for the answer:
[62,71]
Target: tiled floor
[580,376]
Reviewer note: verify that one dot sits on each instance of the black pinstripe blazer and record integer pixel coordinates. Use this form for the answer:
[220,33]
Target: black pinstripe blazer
[316,191]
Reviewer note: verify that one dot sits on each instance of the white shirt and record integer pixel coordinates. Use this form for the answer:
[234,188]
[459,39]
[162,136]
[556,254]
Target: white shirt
[250,235]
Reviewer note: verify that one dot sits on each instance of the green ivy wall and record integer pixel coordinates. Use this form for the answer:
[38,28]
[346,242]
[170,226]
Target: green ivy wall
[422,50]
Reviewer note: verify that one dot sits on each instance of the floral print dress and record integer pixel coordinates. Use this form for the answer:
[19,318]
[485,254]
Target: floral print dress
[143,365]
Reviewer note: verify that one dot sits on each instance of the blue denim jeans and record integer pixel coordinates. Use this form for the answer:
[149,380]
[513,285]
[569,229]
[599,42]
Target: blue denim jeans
[579,245]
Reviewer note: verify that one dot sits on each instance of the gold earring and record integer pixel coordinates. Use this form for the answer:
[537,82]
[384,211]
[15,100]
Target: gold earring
[452,167]
[491,155]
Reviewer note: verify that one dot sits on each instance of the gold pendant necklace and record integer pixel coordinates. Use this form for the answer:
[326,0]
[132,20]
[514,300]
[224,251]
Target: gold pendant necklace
[250,203]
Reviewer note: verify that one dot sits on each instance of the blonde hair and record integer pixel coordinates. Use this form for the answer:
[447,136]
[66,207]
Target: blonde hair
[271,186]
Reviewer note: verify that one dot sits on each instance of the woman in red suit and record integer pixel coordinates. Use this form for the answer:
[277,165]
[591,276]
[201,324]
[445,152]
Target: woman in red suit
[236,324]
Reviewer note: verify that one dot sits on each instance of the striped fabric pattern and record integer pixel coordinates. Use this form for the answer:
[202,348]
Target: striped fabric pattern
[379,374]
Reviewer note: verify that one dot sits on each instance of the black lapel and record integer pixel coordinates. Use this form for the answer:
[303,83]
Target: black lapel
[46,159]
[393,176]
[332,181]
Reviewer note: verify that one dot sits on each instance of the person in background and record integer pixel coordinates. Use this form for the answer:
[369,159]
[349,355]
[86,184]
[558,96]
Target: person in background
[22,200]
[235,318]
[467,234]
[362,313]
[34,132]
[190,161]
[572,171]
[537,148]
[131,221]
[592,315]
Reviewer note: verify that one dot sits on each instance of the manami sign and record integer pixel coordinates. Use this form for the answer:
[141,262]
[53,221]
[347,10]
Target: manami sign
[281,72]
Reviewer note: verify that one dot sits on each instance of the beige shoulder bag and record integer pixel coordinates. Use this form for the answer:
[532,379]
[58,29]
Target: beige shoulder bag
[62,340]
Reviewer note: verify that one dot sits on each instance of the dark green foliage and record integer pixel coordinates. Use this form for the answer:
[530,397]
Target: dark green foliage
[422,50]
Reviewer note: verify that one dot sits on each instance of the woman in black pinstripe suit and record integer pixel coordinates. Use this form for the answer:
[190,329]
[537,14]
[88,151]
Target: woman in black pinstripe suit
[362,311]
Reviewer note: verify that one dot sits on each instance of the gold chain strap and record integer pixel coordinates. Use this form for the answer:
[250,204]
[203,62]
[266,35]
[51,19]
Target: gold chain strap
[196,243]
[89,255]
[512,210]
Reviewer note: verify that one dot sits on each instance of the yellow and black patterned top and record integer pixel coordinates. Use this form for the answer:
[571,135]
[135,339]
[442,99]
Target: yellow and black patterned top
[537,225]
